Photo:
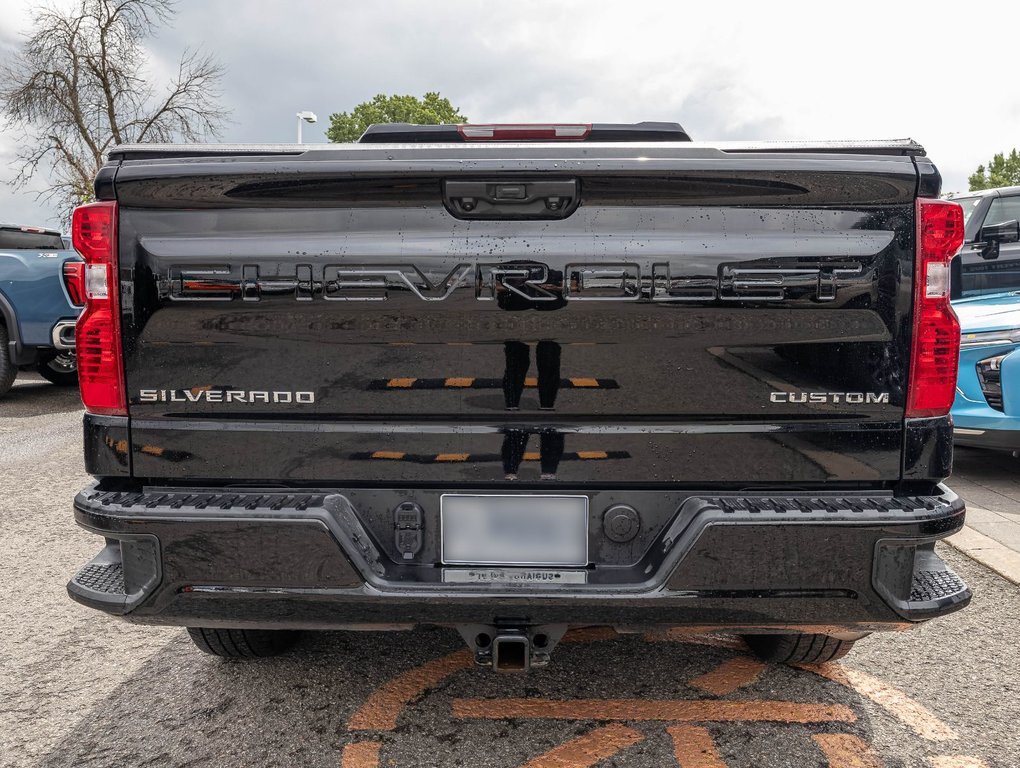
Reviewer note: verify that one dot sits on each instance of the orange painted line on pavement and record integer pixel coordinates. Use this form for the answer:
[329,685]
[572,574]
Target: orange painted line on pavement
[584,382]
[845,751]
[532,456]
[694,748]
[923,721]
[590,634]
[530,381]
[830,671]
[381,709]
[459,382]
[729,676]
[680,635]
[958,761]
[361,754]
[592,455]
[400,383]
[677,710]
[585,751]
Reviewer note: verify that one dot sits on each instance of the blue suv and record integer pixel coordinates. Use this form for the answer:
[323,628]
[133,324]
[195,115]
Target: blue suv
[986,297]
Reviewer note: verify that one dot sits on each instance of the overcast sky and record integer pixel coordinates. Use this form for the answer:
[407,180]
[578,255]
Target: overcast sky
[936,72]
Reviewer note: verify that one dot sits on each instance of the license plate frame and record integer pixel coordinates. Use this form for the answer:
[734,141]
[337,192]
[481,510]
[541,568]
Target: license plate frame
[469,513]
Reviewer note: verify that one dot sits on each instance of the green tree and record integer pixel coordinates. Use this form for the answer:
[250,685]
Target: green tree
[433,109]
[1002,171]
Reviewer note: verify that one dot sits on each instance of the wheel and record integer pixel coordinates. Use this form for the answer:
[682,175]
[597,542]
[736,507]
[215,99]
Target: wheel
[8,371]
[61,370]
[243,643]
[798,649]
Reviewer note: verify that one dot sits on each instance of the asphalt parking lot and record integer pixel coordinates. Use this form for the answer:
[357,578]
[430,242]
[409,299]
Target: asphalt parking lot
[80,689]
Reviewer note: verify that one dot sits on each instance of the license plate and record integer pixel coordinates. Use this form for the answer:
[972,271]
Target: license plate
[514,530]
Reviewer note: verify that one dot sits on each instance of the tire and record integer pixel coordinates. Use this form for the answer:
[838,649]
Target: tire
[798,649]
[8,371]
[61,370]
[243,643]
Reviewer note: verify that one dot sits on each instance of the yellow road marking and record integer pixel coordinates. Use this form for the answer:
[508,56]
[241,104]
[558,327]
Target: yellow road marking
[895,702]
[584,382]
[676,710]
[694,748]
[361,754]
[957,761]
[388,455]
[729,676]
[532,456]
[592,455]
[400,383]
[381,709]
[845,751]
[586,750]
[530,381]
[452,456]
[459,382]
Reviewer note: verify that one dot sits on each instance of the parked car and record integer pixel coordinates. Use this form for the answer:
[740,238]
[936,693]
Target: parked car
[986,297]
[41,296]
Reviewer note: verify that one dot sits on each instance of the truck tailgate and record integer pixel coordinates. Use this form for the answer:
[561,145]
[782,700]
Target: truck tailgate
[700,317]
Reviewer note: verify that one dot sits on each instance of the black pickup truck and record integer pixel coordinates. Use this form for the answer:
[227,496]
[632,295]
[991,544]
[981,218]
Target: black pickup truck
[513,379]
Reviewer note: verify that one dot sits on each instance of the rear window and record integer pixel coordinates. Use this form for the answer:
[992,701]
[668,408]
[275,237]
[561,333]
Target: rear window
[19,240]
[968,204]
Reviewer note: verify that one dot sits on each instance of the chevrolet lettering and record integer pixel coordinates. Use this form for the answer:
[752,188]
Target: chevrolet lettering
[525,280]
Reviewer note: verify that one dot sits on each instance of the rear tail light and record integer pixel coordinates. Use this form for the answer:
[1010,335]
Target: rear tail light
[97,334]
[935,348]
[525,132]
[74,281]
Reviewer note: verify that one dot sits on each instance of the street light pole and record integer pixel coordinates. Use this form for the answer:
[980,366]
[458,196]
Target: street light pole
[304,117]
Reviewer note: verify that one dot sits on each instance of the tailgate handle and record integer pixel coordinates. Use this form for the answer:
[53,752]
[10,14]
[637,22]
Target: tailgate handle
[511,199]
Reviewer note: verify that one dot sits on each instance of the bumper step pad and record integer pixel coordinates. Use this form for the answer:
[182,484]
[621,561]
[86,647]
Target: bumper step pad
[107,578]
[932,586]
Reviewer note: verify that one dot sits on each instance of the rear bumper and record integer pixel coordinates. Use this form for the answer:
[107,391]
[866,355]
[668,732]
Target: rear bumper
[323,560]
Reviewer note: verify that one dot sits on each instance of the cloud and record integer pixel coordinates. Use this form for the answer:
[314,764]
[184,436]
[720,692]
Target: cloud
[725,70]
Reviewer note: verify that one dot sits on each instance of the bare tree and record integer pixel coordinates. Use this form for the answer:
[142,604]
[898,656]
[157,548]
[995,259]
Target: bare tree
[78,87]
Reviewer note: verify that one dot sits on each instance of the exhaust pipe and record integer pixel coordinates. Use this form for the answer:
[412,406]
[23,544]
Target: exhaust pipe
[62,335]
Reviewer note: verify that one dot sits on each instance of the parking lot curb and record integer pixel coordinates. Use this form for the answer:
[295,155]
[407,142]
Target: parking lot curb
[989,552]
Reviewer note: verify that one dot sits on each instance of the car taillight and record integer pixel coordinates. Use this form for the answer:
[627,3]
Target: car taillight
[97,334]
[74,280]
[935,347]
[525,132]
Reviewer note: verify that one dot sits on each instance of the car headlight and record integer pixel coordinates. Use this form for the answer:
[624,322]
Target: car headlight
[989,372]
[989,338]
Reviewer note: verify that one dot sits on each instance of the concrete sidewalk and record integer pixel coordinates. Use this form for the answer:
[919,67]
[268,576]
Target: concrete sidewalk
[988,551]
[990,484]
